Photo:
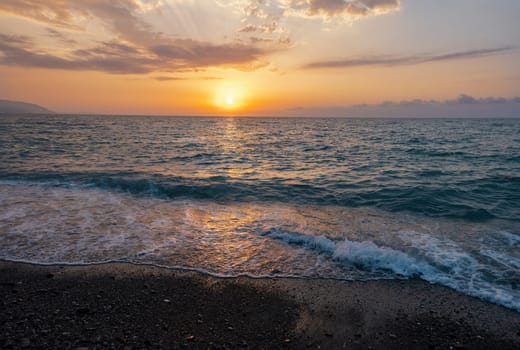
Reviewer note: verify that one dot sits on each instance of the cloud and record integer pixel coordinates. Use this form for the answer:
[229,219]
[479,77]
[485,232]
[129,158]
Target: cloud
[462,106]
[407,60]
[462,99]
[135,47]
[120,58]
[265,19]
[173,78]
[60,36]
[168,78]
[19,52]
[120,15]
[469,100]
[465,99]
[132,46]
[262,23]
[46,11]
[202,54]
[343,8]
[266,28]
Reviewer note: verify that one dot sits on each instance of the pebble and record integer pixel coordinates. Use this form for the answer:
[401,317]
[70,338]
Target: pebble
[82,311]
[25,342]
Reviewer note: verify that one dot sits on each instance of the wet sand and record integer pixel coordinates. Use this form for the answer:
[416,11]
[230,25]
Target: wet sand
[124,306]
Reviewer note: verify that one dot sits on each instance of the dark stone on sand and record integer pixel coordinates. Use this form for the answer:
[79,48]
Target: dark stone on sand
[106,306]
[25,343]
[82,311]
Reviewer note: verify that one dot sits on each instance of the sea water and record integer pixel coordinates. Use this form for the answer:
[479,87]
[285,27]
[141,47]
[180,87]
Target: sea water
[353,199]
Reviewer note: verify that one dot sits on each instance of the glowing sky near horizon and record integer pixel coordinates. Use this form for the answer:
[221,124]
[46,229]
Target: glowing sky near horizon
[261,57]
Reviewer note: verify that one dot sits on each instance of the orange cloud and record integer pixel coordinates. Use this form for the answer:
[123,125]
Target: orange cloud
[133,47]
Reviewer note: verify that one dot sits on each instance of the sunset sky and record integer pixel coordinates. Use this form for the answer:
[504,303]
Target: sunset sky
[263,57]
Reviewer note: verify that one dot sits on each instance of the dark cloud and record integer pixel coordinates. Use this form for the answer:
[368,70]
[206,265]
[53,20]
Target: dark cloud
[255,40]
[48,11]
[118,15]
[462,99]
[60,36]
[109,49]
[266,19]
[18,52]
[462,106]
[119,58]
[266,28]
[495,100]
[250,28]
[134,48]
[331,8]
[172,78]
[206,54]
[263,24]
[465,99]
[406,60]
[167,78]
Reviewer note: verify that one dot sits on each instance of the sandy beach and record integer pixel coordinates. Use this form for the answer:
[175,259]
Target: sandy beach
[123,306]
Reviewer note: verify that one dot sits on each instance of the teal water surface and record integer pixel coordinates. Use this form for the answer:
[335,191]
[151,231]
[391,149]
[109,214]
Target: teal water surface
[437,199]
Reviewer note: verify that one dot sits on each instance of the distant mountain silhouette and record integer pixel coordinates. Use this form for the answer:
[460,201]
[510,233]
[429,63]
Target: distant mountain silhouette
[7,106]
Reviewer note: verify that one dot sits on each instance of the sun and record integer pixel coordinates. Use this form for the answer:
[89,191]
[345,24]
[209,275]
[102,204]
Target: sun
[230,96]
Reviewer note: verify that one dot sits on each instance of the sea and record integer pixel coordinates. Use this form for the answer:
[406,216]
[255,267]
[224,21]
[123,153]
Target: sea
[346,199]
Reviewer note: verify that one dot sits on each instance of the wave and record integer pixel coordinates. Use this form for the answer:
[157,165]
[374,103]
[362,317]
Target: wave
[437,261]
[476,201]
[366,254]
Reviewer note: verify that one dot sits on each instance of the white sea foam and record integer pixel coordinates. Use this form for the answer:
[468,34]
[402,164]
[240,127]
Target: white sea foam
[320,243]
[502,258]
[374,257]
[431,259]
[365,254]
[512,239]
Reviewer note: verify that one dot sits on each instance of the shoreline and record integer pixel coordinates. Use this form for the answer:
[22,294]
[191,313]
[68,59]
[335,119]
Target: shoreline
[127,306]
